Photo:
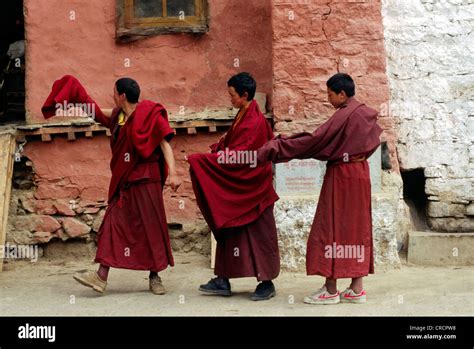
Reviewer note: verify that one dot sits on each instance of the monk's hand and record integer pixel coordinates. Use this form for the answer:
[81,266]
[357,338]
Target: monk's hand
[175,182]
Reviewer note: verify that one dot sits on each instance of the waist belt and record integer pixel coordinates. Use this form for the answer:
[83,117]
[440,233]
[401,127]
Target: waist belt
[354,159]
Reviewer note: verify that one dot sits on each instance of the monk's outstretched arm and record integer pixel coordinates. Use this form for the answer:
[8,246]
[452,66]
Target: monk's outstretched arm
[102,116]
[175,182]
[300,146]
[282,150]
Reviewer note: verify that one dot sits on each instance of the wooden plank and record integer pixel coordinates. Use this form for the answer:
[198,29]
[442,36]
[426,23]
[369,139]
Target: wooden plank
[7,150]
[71,136]
[46,131]
[200,123]
[58,130]
[37,130]
[45,137]
[164,7]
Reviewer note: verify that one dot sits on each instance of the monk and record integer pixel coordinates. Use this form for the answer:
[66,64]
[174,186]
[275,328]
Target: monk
[236,198]
[134,233]
[340,242]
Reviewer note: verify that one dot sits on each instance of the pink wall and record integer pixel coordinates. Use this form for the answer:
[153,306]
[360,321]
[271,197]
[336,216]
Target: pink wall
[320,40]
[70,170]
[79,170]
[176,70]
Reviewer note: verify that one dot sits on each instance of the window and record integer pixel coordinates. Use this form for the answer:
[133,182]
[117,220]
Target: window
[140,18]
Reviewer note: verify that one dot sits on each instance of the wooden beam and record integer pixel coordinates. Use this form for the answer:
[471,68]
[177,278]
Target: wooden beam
[47,130]
[200,123]
[7,150]
[71,136]
[45,137]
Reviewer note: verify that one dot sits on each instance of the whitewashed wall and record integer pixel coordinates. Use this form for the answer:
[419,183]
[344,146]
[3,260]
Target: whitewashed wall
[430,56]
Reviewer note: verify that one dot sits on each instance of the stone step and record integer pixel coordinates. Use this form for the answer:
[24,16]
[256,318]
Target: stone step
[440,249]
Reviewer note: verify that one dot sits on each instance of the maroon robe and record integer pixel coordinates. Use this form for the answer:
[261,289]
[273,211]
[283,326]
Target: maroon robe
[344,215]
[237,201]
[134,232]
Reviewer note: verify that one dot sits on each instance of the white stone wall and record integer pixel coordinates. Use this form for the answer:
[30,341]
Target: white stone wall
[430,64]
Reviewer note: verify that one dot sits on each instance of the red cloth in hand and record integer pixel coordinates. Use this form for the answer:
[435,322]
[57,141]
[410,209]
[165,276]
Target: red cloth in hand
[68,90]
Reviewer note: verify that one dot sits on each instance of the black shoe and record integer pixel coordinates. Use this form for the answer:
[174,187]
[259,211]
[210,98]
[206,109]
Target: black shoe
[265,290]
[218,285]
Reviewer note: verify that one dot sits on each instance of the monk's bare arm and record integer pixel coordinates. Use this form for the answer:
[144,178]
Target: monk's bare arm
[103,116]
[107,112]
[175,182]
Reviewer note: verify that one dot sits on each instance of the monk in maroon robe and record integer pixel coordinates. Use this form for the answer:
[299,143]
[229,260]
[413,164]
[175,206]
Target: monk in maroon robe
[236,198]
[134,233]
[340,241]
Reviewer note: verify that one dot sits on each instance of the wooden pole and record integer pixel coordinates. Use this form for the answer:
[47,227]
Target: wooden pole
[213,251]
[7,150]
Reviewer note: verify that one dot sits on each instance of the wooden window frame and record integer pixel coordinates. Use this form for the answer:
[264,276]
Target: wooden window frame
[131,28]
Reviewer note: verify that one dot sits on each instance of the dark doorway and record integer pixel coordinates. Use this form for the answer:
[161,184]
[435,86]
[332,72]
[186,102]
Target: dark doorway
[415,196]
[12,62]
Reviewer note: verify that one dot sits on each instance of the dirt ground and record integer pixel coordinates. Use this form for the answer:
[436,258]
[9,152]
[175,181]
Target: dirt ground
[47,288]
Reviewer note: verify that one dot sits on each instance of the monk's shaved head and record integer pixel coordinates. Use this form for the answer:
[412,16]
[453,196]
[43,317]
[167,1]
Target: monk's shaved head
[243,82]
[342,82]
[130,87]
